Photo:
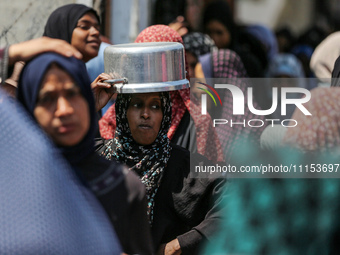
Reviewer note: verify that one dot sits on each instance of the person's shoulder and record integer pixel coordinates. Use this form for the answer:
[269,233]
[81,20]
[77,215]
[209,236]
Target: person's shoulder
[179,161]
[179,150]
[180,154]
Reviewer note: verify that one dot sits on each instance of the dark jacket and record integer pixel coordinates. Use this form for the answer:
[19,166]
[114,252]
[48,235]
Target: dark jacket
[186,208]
[123,196]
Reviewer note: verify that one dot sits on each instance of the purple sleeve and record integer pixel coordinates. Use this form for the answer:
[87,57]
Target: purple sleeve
[205,61]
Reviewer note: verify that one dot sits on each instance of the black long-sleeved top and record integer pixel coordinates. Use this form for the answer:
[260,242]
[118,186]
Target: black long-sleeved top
[186,208]
[122,195]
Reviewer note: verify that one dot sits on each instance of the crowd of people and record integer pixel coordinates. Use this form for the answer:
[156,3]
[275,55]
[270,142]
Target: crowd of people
[121,182]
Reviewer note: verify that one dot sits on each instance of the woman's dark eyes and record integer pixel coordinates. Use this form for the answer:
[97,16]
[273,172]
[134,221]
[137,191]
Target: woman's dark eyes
[50,98]
[84,27]
[152,106]
[156,106]
[72,93]
[216,32]
[137,105]
[88,27]
[46,99]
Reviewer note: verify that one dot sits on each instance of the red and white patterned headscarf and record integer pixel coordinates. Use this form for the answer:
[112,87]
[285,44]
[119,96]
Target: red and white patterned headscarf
[321,130]
[227,65]
[207,140]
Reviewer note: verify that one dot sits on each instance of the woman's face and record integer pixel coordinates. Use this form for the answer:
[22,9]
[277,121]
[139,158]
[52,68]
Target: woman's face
[145,116]
[85,36]
[61,110]
[192,62]
[219,33]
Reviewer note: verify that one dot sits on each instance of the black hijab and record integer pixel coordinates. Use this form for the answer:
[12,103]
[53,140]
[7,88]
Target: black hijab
[62,21]
[29,86]
[244,44]
[336,74]
[147,161]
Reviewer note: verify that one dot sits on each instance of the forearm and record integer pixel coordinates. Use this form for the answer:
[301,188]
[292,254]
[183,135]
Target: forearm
[24,51]
[190,241]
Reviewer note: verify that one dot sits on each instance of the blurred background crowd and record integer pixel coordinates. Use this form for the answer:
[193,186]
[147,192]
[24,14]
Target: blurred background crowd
[222,39]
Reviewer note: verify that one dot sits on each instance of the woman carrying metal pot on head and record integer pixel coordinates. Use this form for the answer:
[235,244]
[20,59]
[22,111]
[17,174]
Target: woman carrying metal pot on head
[189,128]
[183,211]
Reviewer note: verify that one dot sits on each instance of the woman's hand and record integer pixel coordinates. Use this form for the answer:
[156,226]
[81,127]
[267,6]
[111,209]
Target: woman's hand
[102,91]
[170,248]
[179,25]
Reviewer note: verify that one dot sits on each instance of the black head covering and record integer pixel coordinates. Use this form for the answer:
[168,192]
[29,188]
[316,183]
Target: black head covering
[336,74]
[220,11]
[147,161]
[29,86]
[62,21]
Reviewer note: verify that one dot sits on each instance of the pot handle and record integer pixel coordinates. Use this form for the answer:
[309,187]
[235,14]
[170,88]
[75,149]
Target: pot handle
[115,81]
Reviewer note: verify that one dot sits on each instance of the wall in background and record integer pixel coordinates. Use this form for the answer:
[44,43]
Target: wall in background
[22,20]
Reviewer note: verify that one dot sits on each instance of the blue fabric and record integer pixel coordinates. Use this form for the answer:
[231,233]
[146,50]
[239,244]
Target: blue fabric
[29,86]
[266,37]
[44,208]
[95,66]
[285,64]
[107,106]
[303,49]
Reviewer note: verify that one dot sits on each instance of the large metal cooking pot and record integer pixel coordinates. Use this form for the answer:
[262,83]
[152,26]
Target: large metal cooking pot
[146,67]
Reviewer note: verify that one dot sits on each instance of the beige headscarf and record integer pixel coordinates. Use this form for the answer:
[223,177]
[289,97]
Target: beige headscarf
[324,56]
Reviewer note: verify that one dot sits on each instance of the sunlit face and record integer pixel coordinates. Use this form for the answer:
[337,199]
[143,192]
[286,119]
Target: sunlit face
[61,110]
[145,116]
[219,33]
[86,36]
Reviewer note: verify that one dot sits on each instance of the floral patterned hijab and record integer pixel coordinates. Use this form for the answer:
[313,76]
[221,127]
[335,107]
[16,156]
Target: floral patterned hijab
[198,43]
[147,161]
